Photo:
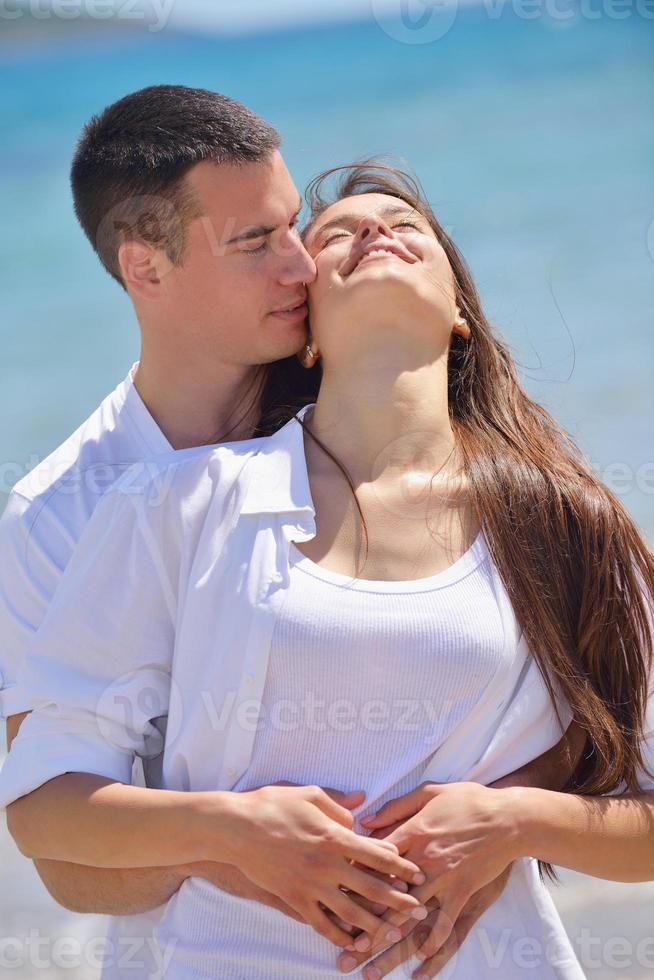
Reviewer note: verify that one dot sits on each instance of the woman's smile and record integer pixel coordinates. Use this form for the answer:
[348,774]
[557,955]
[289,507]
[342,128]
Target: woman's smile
[378,253]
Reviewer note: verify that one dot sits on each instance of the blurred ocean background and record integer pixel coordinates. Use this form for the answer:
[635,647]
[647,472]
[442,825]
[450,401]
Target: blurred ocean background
[534,139]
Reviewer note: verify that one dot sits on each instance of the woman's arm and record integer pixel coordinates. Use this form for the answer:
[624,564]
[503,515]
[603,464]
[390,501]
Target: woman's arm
[91,820]
[607,837]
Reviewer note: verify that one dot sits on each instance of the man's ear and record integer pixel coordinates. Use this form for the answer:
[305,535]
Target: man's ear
[142,268]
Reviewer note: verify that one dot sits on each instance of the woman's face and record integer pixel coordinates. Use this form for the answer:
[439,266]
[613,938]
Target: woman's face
[378,264]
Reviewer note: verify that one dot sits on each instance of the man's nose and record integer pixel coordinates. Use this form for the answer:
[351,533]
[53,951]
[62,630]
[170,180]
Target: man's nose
[299,266]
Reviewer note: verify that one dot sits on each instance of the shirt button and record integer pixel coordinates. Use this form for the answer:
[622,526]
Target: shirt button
[277,577]
[230,771]
[249,678]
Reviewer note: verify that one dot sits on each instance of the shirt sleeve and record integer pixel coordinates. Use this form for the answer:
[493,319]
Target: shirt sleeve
[98,669]
[34,550]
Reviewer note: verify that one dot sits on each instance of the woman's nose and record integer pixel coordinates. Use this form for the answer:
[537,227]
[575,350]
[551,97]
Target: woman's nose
[371,226]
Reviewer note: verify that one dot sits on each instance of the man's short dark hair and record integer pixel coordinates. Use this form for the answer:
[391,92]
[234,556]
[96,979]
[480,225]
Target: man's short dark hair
[128,171]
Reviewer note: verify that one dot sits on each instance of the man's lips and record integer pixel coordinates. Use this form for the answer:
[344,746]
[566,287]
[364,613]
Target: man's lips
[295,311]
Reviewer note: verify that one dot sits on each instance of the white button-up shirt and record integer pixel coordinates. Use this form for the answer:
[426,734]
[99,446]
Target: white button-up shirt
[168,606]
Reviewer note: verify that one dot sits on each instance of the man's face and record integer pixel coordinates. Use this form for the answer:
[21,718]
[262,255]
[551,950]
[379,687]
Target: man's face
[239,292]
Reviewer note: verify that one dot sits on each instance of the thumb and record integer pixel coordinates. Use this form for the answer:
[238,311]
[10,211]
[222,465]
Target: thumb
[349,799]
[333,802]
[398,809]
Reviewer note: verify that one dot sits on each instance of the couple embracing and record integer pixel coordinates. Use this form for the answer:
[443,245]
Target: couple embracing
[353,645]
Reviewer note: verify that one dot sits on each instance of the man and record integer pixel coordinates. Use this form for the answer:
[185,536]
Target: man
[186,199]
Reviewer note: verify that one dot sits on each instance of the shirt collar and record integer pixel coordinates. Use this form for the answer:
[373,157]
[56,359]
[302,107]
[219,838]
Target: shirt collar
[279,481]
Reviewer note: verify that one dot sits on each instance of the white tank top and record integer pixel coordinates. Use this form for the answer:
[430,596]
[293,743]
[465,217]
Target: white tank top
[365,681]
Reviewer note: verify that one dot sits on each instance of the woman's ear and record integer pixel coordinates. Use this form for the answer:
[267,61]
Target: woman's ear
[460,325]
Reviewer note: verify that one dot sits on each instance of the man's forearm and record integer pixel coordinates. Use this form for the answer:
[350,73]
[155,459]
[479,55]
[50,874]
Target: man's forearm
[109,891]
[554,768]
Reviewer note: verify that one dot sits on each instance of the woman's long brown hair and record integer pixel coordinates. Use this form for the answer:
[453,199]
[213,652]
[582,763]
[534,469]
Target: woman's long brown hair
[575,566]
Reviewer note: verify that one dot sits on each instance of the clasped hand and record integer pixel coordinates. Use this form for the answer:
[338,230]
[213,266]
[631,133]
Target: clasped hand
[463,837]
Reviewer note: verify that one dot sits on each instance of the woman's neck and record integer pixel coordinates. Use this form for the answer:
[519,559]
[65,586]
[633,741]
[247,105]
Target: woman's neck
[376,419]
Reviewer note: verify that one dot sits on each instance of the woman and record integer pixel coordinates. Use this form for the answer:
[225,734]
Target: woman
[502,591]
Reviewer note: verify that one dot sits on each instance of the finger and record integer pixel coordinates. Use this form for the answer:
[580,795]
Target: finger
[375,855]
[377,908]
[345,926]
[432,967]
[399,808]
[393,955]
[371,906]
[378,890]
[441,930]
[380,832]
[350,799]
[348,910]
[395,882]
[426,898]
[331,808]
[393,811]
[472,912]
[324,926]
[413,937]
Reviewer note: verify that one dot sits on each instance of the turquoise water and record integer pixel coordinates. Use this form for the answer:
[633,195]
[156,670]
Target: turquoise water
[535,142]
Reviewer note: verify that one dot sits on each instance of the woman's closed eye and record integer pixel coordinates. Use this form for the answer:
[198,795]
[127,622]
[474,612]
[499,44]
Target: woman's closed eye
[343,234]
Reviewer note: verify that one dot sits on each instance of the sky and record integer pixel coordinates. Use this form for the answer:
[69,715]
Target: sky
[237,15]
[226,17]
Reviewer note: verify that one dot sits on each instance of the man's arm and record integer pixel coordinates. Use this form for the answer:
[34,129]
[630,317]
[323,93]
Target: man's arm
[553,769]
[111,891]
[129,891]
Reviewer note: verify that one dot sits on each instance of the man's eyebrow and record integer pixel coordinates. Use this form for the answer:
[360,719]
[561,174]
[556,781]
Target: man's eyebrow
[351,218]
[259,231]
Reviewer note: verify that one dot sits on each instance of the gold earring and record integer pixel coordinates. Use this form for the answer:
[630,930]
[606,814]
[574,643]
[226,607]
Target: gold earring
[462,323]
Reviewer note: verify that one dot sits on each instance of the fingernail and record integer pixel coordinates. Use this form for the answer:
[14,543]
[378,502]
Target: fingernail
[362,943]
[346,962]
[393,935]
[399,885]
[419,878]
[372,973]
[419,913]
[378,908]
[420,953]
